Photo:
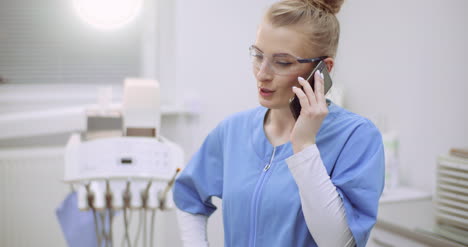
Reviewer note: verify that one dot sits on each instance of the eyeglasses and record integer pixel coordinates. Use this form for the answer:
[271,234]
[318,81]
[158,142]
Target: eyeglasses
[281,63]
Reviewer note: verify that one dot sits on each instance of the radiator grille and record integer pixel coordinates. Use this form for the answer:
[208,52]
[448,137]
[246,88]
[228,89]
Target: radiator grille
[451,201]
[31,189]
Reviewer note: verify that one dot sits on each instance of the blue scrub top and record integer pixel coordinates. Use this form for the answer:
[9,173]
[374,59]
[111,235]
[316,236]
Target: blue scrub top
[263,208]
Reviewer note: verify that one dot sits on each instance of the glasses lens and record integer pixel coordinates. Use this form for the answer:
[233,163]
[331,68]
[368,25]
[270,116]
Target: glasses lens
[256,56]
[280,64]
[285,64]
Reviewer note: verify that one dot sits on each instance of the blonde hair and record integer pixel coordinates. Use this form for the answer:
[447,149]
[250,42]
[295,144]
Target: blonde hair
[318,18]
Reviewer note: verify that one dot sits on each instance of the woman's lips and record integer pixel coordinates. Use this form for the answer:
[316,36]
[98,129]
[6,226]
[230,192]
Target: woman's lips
[266,92]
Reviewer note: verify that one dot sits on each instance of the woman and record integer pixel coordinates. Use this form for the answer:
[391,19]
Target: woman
[314,181]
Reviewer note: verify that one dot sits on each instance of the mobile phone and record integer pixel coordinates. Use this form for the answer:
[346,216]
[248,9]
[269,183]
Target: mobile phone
[295,105]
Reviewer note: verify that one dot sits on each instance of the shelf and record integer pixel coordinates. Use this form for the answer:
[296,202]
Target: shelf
[64,120]
[409,222]
[403,194]
[30,110]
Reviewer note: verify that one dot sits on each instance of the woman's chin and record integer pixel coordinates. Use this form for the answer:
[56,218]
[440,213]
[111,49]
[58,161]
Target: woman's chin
[270,104]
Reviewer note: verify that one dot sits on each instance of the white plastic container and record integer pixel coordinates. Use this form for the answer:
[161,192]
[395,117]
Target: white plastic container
[392,161]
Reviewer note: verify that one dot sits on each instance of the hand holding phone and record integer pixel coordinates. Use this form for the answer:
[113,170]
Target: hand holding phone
[295,105]
[314,109]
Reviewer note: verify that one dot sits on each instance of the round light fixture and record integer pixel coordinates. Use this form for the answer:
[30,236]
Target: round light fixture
[108,14]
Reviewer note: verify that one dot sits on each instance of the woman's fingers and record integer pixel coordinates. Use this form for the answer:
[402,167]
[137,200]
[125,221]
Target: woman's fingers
[303,100]
[319,88]
[307,90]
[320,95]
[312,101]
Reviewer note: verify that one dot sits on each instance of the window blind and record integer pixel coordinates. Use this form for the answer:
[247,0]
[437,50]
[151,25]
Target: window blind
[46,42]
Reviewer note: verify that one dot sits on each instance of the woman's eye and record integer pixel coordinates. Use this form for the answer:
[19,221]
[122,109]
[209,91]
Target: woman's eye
[283,64]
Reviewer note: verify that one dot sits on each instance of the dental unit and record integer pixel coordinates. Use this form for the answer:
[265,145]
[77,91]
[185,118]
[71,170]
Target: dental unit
[122,162]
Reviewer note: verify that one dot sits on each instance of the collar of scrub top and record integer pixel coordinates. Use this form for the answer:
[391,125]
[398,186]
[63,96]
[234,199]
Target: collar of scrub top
[262,146]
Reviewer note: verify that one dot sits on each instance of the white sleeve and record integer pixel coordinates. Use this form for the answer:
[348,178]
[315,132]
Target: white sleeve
[192,229]
[321,204]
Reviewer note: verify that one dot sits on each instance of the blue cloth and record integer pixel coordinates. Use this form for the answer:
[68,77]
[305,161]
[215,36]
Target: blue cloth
[264,208]
[77,226]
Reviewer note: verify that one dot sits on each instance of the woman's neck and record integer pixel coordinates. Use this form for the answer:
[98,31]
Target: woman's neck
[278,125]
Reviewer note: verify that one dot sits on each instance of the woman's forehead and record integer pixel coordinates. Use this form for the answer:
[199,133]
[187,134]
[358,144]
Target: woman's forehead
[284,39]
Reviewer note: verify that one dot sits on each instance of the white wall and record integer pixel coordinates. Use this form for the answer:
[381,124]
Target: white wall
[401,63]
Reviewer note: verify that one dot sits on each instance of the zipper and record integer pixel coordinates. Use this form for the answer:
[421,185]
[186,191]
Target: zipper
[256,199]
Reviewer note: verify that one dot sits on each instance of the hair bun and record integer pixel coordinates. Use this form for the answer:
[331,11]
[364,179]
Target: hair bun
[332,6]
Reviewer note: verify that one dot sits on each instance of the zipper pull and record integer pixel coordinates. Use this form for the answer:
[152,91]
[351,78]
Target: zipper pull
[271,160]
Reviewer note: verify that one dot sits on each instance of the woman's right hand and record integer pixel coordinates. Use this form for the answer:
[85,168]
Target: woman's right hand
[313,110]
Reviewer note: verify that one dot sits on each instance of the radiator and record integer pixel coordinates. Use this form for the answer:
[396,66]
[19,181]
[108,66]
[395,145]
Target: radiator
[451,201]
[31,189]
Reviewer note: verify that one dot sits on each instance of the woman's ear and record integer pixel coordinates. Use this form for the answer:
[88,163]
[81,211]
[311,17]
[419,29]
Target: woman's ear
[330,63]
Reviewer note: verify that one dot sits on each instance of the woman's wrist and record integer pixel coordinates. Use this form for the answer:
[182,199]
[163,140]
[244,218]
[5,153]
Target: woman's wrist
[301,146]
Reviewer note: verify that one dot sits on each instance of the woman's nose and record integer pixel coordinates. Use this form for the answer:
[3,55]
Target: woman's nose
[265,71]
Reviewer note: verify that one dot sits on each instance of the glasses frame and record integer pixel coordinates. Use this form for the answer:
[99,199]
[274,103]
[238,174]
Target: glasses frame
[298,59]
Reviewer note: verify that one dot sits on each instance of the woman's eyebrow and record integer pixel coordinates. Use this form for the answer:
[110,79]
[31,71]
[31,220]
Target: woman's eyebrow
[275,54]
[254,46]
[282,55]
